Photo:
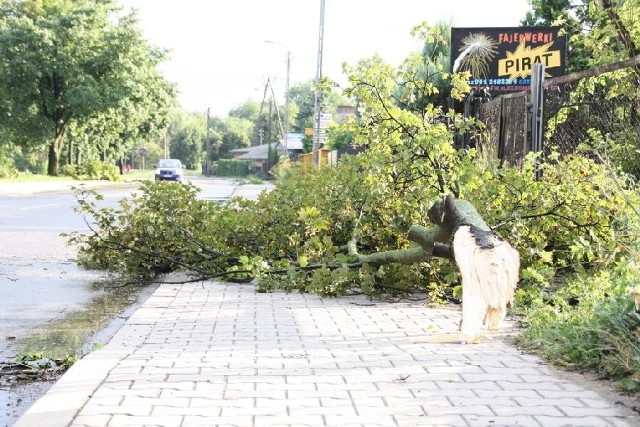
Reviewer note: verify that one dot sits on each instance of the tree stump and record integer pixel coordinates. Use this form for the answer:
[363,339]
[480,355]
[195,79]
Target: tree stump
[489,265]
[489,268]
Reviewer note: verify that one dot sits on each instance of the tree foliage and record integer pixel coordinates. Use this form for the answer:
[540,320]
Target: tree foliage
[615,34]
[249,110]
[435,63]
[75,63]
[598,31]
[571,16]
[187,137]
[569,220]
[230,133]
[302,99]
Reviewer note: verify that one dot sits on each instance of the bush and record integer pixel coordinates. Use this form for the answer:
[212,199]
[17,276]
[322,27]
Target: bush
[151,232]
[589,324]
[233,167]
[92,170]
[574,218]
[14,163]
[7,168]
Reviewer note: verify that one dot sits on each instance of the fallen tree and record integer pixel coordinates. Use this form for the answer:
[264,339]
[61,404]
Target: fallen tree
[488,265]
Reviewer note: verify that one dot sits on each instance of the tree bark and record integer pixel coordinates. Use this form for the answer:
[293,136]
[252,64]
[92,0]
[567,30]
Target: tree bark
[54,154]
[52,165]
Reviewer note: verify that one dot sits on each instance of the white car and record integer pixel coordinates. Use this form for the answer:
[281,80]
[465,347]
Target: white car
[169,170]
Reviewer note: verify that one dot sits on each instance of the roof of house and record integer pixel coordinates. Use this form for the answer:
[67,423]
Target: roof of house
[257,152]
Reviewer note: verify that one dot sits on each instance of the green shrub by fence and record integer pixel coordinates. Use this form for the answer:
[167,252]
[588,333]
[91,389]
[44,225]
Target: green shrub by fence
[233,167]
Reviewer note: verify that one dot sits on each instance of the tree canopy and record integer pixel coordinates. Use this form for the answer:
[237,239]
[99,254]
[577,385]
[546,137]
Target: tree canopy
[598,32]
[76,63]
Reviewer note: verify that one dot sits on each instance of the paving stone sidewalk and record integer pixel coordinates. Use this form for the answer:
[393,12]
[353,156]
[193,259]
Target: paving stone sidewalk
[224,355]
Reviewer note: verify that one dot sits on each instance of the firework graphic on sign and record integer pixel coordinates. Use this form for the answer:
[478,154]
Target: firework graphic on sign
[476,53]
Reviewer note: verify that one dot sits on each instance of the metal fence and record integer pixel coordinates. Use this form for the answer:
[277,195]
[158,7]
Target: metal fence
[575,107]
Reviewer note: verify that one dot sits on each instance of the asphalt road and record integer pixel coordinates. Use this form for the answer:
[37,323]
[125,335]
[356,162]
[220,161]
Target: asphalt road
[48,303]
[39,280]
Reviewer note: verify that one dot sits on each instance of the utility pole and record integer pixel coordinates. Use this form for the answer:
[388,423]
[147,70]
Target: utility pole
[207,145]
[286,103]
[315,155]
[275,105]
[286,93]
[269,139]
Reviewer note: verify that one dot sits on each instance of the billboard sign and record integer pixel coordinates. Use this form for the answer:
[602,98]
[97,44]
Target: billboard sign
[294,141]
[501,59]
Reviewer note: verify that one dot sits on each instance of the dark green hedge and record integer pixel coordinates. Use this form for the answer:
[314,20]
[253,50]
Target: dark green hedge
[233,167]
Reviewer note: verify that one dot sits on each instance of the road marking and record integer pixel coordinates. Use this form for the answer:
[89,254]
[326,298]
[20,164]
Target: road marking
[38,206]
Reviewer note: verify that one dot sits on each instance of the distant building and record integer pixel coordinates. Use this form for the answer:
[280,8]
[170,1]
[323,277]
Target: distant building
[344,111]
[258,153]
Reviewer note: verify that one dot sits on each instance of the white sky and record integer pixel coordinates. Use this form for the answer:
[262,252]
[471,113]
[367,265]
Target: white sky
[219,57]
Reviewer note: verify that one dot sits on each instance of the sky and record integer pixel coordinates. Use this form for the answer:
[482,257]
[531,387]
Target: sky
[223,52]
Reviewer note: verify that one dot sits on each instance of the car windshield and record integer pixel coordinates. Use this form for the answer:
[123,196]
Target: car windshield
[169,164]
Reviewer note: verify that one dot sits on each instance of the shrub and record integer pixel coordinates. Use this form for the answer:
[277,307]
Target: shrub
[233,167]
[574,218]
[589,324]
[92,170]
[149,234]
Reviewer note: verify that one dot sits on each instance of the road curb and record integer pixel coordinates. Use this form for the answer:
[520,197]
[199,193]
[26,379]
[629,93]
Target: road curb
[28,188]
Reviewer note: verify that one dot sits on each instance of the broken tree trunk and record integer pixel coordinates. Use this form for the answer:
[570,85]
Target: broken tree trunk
[488,265]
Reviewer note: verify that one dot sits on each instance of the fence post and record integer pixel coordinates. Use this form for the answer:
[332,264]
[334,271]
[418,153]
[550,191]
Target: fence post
[537,103]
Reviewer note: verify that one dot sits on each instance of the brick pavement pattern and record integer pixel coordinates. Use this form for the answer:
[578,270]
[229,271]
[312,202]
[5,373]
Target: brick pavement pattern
[218,354]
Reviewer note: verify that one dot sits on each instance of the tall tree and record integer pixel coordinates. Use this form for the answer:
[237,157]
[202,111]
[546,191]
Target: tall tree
[428,84]
[598,31]
[188,138]
[573,17]
[615,34]
[70,61]
[228,134]
[250,110]
[302,96]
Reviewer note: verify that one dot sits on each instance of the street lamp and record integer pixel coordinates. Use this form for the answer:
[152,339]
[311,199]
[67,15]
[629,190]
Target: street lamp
[286,93]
